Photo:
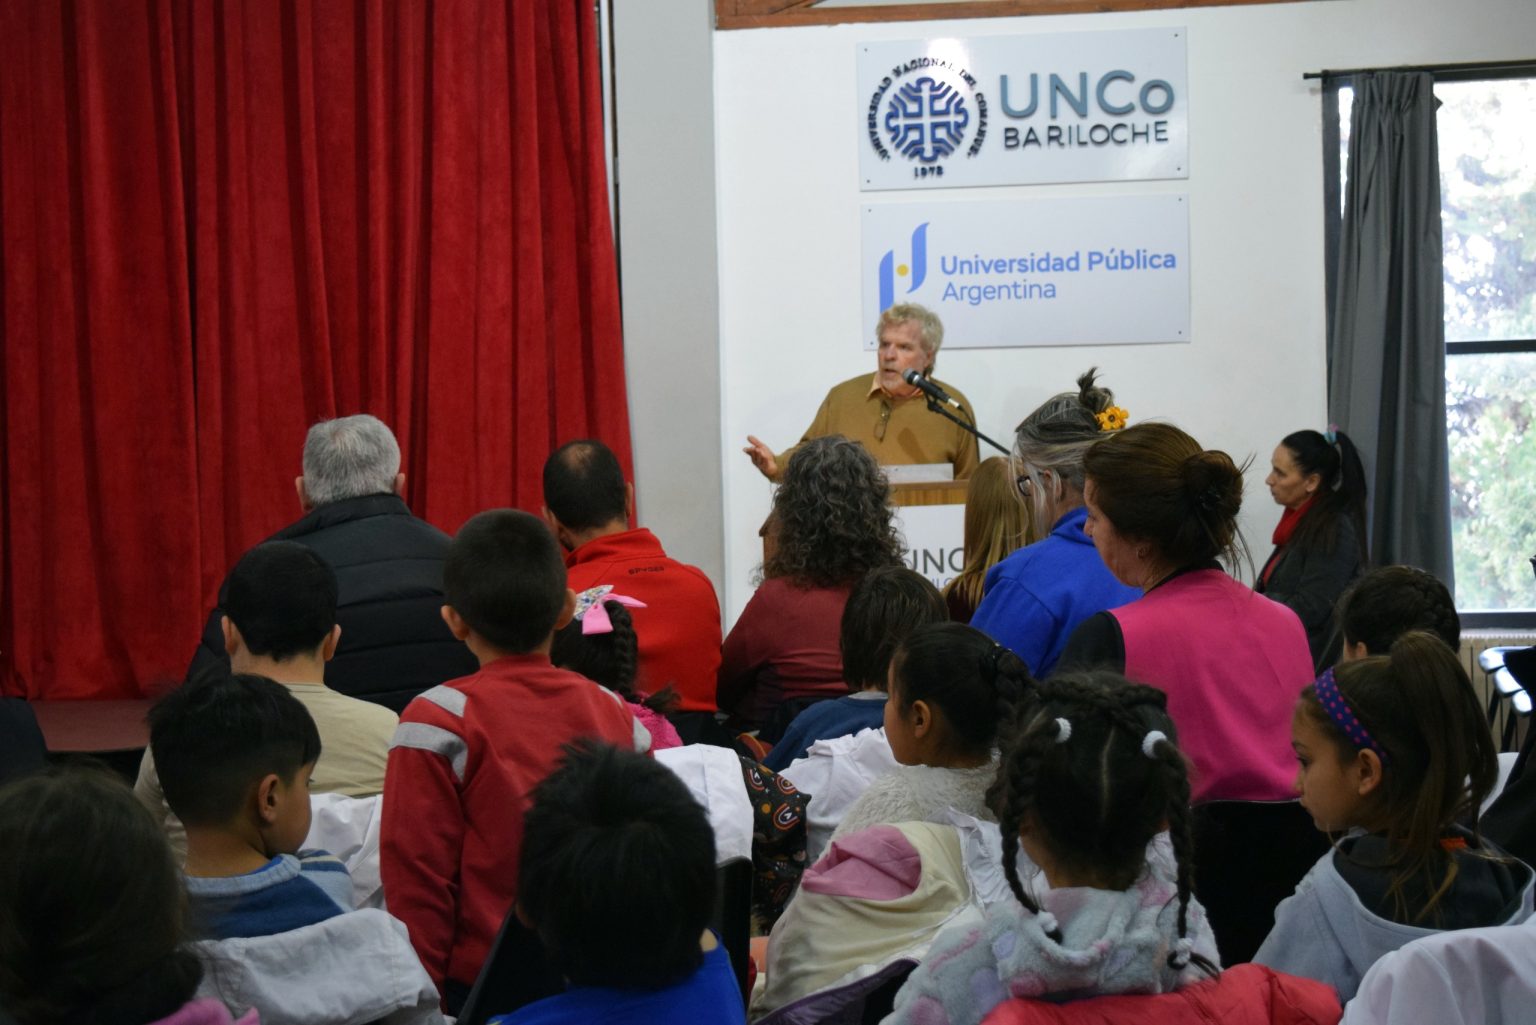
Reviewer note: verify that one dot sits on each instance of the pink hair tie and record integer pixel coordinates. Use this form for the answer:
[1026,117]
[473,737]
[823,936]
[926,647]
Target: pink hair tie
[592,614]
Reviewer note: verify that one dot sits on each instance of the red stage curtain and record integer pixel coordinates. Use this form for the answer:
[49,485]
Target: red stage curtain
[220,222]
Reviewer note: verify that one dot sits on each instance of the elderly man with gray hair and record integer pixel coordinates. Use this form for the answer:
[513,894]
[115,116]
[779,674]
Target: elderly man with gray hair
[884,413]
[388,563]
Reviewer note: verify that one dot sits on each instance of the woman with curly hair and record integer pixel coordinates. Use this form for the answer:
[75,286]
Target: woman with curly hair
[831,523]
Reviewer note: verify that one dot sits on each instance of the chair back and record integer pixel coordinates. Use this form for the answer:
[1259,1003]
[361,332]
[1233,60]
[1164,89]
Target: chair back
[517,971]
[864,1001]
[22,749]
[733,918]
[1249,856]
[348,827]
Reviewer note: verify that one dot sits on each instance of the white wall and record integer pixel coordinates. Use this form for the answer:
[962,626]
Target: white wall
[667,260]
[787,199]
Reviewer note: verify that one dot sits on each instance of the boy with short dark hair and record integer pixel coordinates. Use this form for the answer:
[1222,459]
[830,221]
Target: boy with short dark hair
[1388,602]
[279,621]
[235,754]
[469,753]
[618,875]
[882,611]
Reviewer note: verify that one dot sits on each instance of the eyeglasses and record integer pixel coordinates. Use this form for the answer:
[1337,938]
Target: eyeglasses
[1026,484]
[884,421]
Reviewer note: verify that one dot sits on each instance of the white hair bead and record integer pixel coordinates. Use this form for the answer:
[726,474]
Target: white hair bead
[1063,732]
[1149,743]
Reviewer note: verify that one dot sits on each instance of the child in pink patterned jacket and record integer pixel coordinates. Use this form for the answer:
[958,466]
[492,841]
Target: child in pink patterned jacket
[1089,776]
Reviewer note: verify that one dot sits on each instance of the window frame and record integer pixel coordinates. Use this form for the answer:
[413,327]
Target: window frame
[1333,220]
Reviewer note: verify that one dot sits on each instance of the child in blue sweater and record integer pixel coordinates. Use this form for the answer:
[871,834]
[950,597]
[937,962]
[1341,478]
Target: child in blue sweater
[235,754]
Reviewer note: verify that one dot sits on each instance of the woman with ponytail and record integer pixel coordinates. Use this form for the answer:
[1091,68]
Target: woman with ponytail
[1090,775]
[916,850]
[1394,760]
[950,687]
[1036,597]
[1320,543]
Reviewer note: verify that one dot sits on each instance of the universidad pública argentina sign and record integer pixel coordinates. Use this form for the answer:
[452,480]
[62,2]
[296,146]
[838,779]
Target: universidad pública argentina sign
[1090,270]
[1022,110]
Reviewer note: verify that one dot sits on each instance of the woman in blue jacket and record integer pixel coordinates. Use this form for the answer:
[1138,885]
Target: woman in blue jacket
[1033,600]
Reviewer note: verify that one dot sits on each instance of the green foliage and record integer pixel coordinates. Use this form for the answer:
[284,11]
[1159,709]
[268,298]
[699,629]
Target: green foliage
[1488,214]
[1488,208]
[1490,406]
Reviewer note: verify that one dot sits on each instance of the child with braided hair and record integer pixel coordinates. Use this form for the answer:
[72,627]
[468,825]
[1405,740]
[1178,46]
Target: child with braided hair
[950,686]
[600,643]
[1090,775]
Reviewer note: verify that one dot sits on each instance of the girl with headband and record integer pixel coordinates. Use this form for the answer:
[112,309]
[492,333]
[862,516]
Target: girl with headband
[1395,753]
[1090,775]
[950,686]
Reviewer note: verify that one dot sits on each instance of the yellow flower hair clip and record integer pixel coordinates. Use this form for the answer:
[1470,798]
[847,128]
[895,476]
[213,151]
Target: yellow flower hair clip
[1112,419]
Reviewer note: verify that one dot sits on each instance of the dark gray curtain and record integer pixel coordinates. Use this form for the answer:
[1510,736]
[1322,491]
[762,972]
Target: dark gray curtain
[1386,350]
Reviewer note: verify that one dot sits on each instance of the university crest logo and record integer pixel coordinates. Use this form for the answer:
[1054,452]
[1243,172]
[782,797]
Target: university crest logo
[927,110]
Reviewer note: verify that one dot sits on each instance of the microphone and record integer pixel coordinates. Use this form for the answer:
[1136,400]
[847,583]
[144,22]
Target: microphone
[930,389]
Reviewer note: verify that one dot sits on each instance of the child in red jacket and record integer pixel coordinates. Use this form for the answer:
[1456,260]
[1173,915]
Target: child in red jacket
[468,754]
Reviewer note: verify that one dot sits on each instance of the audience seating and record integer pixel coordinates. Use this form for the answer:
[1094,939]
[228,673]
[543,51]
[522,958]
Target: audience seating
[713,777]
[864,1001]
[22,749]
[348,827]
[517,972]
[1509,669]
[1249,856]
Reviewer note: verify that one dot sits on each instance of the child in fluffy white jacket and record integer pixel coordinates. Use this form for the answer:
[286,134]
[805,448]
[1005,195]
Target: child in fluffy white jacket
[1088,777]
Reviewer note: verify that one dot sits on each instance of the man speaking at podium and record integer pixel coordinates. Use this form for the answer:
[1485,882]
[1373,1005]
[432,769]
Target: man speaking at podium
[885,413]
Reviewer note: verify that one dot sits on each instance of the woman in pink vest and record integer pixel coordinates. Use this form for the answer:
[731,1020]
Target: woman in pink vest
[1162,511]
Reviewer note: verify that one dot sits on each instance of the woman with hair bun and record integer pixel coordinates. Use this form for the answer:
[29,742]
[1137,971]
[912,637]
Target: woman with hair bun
[1320,539]
[1036,597]
[1162,511]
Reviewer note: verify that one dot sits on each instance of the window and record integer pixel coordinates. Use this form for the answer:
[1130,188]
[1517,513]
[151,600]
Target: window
[1487,139]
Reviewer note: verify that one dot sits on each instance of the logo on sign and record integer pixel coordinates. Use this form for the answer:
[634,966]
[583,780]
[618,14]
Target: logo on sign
[927,110]
[926,120]
[890,270]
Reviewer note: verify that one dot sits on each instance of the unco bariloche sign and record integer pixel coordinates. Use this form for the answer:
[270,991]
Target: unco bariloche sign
[1020,110]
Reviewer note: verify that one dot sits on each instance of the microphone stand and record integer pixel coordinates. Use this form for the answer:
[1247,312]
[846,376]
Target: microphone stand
[934,406]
